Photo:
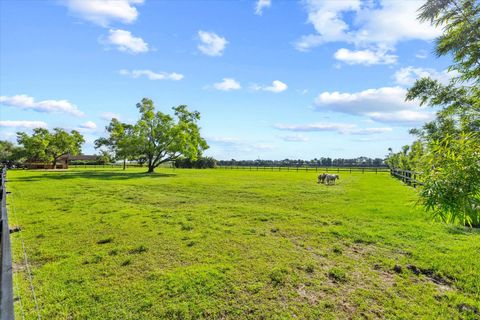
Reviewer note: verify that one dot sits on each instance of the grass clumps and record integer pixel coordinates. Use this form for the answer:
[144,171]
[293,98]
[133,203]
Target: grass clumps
[106,240]
[278,276]
[337,275]
[137,250]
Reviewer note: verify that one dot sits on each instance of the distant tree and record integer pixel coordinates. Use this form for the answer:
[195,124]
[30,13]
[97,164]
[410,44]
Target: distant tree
[162,138]
[49,146]
[10,154]
[156,137]
[121,141]
[105,157]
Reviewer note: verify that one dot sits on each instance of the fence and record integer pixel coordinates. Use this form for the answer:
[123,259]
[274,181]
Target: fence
[407,176]
[307,169]
[6,284]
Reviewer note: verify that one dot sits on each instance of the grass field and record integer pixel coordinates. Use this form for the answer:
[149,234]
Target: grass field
[189,244]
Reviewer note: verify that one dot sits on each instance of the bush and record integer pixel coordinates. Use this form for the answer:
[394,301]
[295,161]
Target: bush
[451,175]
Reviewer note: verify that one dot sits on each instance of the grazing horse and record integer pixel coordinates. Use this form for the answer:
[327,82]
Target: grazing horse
[331,177]
[321,178]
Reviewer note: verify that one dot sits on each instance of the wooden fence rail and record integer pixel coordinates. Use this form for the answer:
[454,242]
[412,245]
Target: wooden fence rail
[307,169]
[407,176]
[6,284]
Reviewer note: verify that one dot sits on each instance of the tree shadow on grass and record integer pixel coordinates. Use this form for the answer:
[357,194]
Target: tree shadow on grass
[92,174]
[463,230]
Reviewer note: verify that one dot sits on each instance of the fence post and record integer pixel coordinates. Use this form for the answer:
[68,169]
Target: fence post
[6,280]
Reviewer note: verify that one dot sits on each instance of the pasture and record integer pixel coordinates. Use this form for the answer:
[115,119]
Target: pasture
[234,244]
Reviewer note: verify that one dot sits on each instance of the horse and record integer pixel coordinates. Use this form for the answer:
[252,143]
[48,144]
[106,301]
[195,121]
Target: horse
[331,177]
[321,178]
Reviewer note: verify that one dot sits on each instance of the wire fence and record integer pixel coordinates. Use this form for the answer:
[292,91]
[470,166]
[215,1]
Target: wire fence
[6,280]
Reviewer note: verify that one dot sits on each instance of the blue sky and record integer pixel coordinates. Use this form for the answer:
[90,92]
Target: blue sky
[271,79]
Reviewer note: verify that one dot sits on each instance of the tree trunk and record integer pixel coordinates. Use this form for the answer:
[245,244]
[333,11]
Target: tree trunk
[54,164]
[124,163]
[150,169]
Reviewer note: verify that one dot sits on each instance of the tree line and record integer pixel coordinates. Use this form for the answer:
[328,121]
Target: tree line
[447,149]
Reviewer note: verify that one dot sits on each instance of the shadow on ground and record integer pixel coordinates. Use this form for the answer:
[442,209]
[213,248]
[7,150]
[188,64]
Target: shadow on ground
[98,175]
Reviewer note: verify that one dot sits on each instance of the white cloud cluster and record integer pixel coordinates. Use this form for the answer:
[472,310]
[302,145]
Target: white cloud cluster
[236,144]
[407,76]
[151,74]
[109,116]
[385,104]
[295,138]
[89,125]
[260,5]
[23,101]
[23,124]
[103,12]
[376,26]
[343,128]
[125,41]
[365,57]
[227,84]
[211,43]
[277,86]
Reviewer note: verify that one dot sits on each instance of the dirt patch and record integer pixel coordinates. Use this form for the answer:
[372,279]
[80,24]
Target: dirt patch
[443,283]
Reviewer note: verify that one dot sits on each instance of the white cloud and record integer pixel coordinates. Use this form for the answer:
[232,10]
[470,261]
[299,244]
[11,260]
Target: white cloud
[227,84]
[365,57]
[385,104]
[236,144]
[276,87]
[23,101]
[260,5]
[89,125]
[212,44]
[321,126]
[343,128]
[23,124]
[295,138]
[407,76]
[109,116]
[125,41]
[421,54]
[103,12]
[377,27]
[152,75]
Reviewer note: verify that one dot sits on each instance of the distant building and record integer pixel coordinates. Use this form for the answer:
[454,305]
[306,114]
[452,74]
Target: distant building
[62,162]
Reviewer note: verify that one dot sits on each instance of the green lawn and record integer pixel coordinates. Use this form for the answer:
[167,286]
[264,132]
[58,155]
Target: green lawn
[218,244]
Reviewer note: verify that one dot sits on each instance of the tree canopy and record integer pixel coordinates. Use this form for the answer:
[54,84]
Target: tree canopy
[447,152]
[44,145]
[156,137]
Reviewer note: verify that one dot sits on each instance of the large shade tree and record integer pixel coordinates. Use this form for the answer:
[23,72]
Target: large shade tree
[449,157]
[44,145]
[157,137]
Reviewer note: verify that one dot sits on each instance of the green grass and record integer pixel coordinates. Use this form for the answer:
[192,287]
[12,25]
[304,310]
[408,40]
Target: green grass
[235,244]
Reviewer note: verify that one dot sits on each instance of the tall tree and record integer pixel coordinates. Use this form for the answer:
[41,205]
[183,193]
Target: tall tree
[449,158]
[162,138]
[120,142]
[49,146]
[157,137]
